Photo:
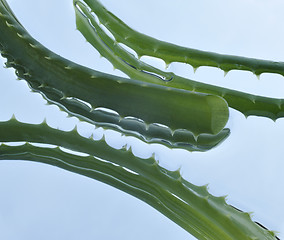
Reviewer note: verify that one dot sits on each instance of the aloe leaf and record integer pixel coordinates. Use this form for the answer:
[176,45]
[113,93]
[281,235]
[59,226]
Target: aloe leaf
[145,45]
[111,50]
[190,206]
[152,111]
[246,103]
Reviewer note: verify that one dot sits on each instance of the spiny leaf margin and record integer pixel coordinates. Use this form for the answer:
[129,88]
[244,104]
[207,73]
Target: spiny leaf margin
[193,207]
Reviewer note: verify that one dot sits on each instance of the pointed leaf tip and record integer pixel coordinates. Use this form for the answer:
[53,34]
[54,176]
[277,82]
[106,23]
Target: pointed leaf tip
[13,118]
[44,122]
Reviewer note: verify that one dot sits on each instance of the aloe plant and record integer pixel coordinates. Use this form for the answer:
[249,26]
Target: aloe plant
[38,154]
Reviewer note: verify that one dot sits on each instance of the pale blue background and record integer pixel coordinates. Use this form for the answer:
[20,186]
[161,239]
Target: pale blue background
[43,202]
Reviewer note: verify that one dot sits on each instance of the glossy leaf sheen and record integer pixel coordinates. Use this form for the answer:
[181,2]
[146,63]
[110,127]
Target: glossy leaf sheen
[71,86]
[246,103]
[190,206]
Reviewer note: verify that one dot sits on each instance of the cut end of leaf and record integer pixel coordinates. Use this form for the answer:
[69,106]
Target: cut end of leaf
[219,113]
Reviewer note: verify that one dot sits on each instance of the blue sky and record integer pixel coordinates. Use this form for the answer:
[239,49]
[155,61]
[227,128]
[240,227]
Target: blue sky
[43,202]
